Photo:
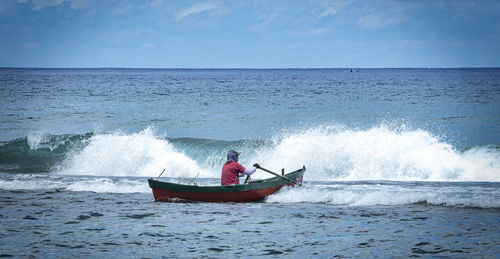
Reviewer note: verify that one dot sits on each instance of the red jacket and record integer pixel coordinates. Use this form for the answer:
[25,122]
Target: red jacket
[230,173]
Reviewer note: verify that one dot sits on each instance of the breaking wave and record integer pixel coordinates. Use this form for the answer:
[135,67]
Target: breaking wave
[380,153]
[329,154]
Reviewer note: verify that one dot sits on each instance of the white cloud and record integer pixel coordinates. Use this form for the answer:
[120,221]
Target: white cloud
[319,31]
[196,9]
[333,6]
[387,14]
[265,19]
[464,10]
[79,4]
[156,3]
[380,20]
[459,5]
[147,45]
[309,32]
[40,4]
[122,9]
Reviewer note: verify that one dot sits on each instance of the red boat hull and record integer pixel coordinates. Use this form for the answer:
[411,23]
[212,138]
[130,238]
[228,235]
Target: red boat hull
[253,191]
[245,196]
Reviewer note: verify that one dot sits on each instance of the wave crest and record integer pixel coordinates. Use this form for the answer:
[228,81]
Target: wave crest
[380,153]
[140,154]
[329,154]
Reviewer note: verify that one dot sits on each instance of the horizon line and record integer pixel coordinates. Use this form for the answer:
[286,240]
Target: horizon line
[248,68]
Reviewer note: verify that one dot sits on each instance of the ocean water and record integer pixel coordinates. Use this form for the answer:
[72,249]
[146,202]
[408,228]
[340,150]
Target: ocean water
[400,162]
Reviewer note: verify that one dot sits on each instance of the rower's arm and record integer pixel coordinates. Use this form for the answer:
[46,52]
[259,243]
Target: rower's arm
[248,171]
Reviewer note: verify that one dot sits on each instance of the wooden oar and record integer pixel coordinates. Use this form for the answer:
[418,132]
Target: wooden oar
[273,173]
[160,175]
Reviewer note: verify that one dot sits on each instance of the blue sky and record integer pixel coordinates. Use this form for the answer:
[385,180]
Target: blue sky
[249,34]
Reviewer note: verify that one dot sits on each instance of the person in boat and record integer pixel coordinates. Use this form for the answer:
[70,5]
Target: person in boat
[232,170]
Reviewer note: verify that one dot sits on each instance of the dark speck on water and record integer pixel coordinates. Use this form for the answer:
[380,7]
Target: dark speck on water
[139,216]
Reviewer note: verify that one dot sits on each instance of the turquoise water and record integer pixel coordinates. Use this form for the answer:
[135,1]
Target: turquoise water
[461,105]
[400,162]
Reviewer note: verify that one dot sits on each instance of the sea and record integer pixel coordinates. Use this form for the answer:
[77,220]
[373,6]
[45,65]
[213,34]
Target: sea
[399,162]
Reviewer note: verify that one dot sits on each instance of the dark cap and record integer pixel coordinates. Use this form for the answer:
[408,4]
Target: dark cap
[232,155]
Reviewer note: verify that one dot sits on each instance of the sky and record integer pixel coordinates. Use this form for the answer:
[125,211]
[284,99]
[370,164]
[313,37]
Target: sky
[249,34]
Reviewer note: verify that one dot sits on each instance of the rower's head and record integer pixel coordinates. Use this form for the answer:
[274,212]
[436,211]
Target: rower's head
[232,155]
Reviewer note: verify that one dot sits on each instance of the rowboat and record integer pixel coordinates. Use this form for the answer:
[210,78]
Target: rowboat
[247,192]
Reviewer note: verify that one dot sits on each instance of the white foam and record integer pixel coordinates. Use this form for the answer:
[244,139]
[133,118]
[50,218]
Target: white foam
[141,154]
[43,140]
[77,184]
[378,153]
[106,185]
[30,183]
[35,138]
[481,195]
[371,195]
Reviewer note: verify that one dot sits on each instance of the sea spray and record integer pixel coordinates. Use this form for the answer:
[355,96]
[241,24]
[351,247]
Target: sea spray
[330,153]
[140,154]
[379,153]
